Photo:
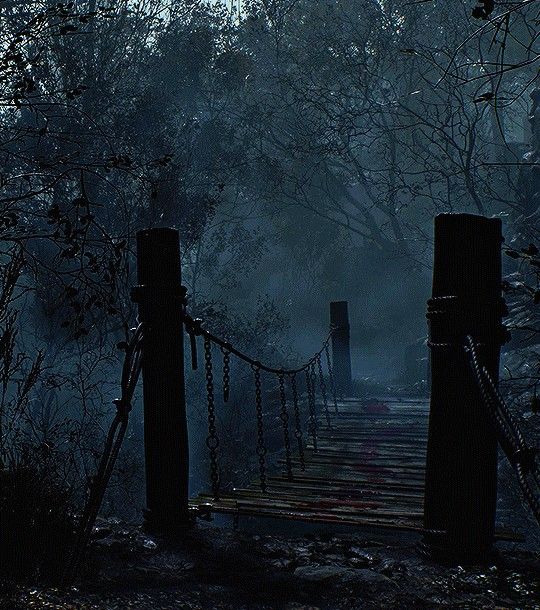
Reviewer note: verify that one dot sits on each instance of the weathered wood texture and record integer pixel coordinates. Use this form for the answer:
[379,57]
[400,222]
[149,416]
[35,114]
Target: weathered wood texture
[368,470]
[461,468]
[159,296]
[341,350]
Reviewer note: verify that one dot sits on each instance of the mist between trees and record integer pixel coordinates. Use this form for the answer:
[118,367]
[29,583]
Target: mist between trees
[302,149]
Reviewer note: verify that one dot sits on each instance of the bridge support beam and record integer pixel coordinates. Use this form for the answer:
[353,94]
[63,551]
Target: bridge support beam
[160,299]
[461,468]
[341,350]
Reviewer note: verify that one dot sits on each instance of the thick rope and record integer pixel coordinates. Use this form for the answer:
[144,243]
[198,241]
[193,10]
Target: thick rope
[131,370]
[521,456]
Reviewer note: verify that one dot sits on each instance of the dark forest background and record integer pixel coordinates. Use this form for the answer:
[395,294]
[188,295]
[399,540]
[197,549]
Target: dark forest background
[301,147]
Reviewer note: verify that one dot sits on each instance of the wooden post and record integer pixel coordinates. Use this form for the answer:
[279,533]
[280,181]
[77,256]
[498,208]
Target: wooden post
[461,468]
[341,350]
[160,298]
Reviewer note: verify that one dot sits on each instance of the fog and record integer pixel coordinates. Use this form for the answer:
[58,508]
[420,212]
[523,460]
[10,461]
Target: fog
[302,150]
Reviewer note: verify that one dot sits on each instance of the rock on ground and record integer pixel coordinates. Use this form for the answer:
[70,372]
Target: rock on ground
[213,568]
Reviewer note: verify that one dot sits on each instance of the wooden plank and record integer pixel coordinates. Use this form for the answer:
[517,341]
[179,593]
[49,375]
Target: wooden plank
[368,471]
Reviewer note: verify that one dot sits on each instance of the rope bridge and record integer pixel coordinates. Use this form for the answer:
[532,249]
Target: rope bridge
[354,461]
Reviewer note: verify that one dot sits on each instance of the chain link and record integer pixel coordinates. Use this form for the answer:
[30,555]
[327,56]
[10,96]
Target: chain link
[226,373]
[212,440]
[297,421]
[322,385]
[284,416]
[261,448]
[331,377]
[312,421]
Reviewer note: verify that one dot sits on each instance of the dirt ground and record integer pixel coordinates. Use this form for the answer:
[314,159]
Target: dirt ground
[223,569]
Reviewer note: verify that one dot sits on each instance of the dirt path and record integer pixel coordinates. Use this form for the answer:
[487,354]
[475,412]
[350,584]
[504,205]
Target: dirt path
[222,569]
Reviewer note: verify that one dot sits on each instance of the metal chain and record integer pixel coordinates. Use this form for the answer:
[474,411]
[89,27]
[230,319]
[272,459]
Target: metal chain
[312,421]
[212,440]
[226,373]
[284,416]
[331,377]
[194,327]
[322,385]
[261,449]
[297,421]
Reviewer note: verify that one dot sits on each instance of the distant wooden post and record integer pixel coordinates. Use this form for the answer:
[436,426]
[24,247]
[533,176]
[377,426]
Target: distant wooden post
[160,297]
[461,469]
[341,350]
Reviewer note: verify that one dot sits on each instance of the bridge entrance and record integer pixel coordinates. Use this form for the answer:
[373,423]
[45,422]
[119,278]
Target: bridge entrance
[384,462]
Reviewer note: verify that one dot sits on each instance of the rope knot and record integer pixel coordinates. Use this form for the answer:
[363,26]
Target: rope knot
[195,327]
[123,407]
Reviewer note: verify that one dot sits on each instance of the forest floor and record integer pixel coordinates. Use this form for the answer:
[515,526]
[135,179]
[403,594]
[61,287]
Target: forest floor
[218,568]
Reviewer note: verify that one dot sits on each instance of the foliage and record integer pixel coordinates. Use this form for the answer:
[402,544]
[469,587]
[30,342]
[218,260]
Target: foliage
[300,147]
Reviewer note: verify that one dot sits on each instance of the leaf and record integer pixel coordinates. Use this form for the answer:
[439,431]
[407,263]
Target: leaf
[512,253]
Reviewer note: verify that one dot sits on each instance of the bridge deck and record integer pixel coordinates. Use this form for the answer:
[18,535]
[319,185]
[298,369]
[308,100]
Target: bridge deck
[368,470]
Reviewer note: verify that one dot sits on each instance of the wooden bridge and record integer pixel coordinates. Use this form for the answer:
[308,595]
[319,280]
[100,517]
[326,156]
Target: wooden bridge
[368,470]
[388,462]
[395,463]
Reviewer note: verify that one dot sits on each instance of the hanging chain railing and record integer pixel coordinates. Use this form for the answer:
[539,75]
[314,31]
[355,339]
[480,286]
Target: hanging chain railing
[297,421]
[212,440]
[312,421]
[261,446]
[131,371]
[331,376]
[130,374]
[284,416]
[314,373]
[322,385]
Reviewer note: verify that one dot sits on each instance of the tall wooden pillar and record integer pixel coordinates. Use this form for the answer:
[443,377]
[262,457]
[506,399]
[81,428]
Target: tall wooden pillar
[461,469]
[341,350]
[160,299]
